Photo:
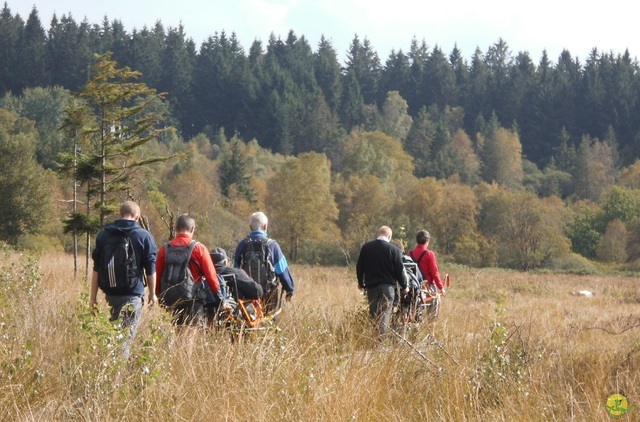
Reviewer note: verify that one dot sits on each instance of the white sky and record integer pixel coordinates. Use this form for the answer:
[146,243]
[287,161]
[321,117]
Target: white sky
[525,26]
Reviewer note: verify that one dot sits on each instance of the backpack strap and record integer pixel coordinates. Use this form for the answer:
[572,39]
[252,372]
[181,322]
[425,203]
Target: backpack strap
[417,261]
[192,246]
[420,257]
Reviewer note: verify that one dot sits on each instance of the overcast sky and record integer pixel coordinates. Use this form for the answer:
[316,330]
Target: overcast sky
[551,25]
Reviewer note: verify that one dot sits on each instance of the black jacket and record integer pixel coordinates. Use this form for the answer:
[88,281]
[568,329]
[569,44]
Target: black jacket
[380,262]
[240,284]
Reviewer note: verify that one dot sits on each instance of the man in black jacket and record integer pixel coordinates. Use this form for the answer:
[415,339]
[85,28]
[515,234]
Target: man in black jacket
[238,281]
[379,268]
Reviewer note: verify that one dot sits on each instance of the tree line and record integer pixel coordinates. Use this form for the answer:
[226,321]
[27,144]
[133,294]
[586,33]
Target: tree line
[326,172]
[293,99]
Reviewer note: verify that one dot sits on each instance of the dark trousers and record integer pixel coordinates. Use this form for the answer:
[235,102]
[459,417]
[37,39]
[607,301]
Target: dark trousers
[188,312]
[380,305]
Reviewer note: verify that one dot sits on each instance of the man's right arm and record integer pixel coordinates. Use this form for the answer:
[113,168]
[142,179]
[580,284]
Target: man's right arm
[281,268]
[151,286]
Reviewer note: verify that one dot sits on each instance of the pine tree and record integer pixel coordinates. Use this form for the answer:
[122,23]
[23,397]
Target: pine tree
[32,47]
[328,74]
[123,122]
[363,61]
[233,171]
[10,28]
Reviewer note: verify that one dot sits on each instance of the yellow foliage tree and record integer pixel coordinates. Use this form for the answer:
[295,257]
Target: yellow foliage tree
[375,154]
[423,200]
[630,176]
[299,204]
[364,204]
[501,153]
[612,246]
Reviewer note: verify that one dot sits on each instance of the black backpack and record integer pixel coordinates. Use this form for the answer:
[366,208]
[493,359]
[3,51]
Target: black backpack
[177,282]
[118,272]
[256,261]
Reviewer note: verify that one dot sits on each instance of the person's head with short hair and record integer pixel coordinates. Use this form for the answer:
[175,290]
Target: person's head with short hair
[219,256]
[258,221]
[422,237]
[129,210]
[385,231]
[185,224]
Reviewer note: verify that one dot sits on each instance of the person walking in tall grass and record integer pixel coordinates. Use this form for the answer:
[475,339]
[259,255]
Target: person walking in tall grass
[378,269]
[124,252]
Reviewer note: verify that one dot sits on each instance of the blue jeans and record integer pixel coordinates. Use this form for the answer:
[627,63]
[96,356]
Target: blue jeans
[129,309]
[380,305]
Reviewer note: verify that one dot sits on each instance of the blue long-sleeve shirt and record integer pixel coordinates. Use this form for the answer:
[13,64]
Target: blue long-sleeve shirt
[278,259]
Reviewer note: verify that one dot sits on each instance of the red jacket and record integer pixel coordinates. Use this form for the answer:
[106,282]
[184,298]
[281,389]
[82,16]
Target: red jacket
[200,255]
[426,261]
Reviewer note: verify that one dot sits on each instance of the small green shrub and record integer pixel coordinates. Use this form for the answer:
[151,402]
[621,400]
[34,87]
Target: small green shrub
[573,264]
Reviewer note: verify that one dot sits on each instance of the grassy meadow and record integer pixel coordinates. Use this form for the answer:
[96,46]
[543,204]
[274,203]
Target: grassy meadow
[508,346]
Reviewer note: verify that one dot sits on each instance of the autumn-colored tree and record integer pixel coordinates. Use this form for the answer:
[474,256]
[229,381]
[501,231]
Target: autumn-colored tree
[423,200]
[501,155]
[456,217]
[364,205]
[595,169]
[526,231]
[464,159]
[300,204]
[630,176]
[375,154]
[612,246]
[395,120]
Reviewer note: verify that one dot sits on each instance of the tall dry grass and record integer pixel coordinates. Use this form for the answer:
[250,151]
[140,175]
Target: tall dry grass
[508,346]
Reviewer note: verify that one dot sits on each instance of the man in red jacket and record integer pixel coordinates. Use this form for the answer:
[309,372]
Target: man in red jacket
[202,269]
[426,260]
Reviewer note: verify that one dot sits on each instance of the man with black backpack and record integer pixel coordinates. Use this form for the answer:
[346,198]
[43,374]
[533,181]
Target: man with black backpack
[263,260]
[124,251]
[186,276]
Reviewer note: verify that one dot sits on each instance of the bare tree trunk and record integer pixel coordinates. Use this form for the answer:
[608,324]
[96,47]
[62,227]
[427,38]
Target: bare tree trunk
[88,242]
[75,205]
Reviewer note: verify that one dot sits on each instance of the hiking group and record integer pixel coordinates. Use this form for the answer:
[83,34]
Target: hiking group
[195,285]
[200,287]
[392,279]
